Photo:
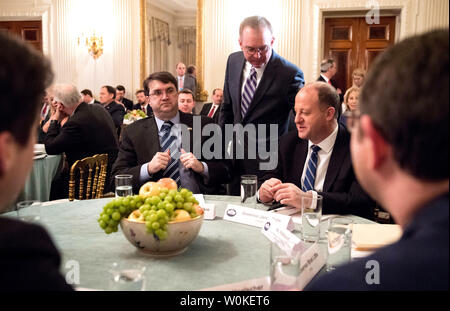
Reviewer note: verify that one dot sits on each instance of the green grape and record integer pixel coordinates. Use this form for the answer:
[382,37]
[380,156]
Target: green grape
[161,213]
[154,208]
[108,230]
[133,204]
[188,206]
[158,232]
[173,192]
[168,198]
[115,216]
[162,235]
[155,200]
[102,224]
[178,198]
[105,218]
[146,213]
[168,207]
[144,208]
[164,190]
[162,222]
[113,223]
[161,205]
[193,214]
[148,224]
[165,227]
[148,201]
[126,202]
[184,192]
[115,229]
[155,225]
[153,217]
[179,205]
[162,195]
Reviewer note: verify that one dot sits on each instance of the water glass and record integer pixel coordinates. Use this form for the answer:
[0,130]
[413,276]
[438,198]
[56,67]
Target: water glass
[127,276]
[339,237]
[29,211]
[124,185]
[284,269]
[249,185]
[311,215]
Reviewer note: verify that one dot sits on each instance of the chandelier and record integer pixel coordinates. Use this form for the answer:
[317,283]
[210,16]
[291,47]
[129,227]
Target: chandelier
[94,45]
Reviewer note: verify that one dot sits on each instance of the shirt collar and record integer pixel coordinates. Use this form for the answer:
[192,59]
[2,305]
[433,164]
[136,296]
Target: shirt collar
[259,71]
[175,120]
[328,143]
[325,78]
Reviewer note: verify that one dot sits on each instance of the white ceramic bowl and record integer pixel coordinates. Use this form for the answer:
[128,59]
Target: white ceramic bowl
[179,236]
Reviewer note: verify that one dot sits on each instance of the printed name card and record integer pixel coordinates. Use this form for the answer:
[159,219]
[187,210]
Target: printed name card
[287,241]
[255,217]
[260,284]
[210,210]
[311,262]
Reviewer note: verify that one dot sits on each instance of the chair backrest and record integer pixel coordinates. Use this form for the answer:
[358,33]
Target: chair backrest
[90,174]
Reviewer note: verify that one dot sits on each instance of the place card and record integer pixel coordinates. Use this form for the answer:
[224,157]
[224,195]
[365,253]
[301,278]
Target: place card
[261,284]
[210,211]
[287,241]
[255,217]
[311,262]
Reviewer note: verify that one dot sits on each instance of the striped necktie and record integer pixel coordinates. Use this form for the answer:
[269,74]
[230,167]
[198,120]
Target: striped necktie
[310,176]
[168,142]
[249,91]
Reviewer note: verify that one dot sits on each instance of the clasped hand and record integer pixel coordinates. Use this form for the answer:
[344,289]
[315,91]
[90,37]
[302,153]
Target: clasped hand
[285,193]
[161,160]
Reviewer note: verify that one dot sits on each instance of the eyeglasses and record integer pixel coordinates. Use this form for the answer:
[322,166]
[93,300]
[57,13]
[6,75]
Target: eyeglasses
[351,118]
[158,93]
[251,50]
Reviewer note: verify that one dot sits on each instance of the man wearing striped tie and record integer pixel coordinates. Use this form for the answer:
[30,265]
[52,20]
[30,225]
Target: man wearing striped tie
[151,148]
[316,157]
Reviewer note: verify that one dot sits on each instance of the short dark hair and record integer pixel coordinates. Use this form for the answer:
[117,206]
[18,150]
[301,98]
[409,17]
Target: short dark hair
[162,76]
[87,92]
[139,91]
[326,64]
[328,96]
[190,69]
[406,94]
[110,90]
[186,91]
[120,88]
[254,22]
[214,91]
[24,74]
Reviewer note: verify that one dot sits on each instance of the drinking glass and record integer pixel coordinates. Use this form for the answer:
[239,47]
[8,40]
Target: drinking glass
[127,276]
[311,214]
[284,269]
[249,184]
[29,211]
[339,238]
[124,186]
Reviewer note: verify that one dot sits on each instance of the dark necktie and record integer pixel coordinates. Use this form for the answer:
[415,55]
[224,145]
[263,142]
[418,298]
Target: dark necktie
[310,176]
[249,91]
[211,113]
[168,142]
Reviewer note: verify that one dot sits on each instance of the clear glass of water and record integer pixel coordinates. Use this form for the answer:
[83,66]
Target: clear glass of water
[29,211]
[311,215]
[284,269]
[249,185]
[124,185]
[339,241]
[127,276]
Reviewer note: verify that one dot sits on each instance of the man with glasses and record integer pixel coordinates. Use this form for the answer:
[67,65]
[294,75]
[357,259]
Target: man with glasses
[152,148]
[260,88]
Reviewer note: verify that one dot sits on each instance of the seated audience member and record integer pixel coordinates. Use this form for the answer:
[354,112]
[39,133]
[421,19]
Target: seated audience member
[358,76]
[44,116]
[142,103]
[28,258]
[117,112]
[399,150]
[186,101]
[89,131]
[351,102]
[150,147]
[316,157]
[53,108]
[120,99]
[211,110]
[88,98]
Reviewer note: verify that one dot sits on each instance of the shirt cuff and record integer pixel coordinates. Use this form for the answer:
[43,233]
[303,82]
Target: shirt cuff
[144,176]
[205,172]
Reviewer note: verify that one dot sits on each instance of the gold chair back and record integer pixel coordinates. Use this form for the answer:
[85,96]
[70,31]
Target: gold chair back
[90,175]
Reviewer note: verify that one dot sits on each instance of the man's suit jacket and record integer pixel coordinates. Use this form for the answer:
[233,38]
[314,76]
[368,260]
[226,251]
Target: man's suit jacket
[341,193]
[149,111]
[333,83]
[418,261]
[117,113]
[205,110]
[127,103]
[140,142]
[89,131]
[190,82]
[29,259]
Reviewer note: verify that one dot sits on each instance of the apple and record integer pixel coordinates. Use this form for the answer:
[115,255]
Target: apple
[149,189]
[198,209]
[168,183]
[181,215]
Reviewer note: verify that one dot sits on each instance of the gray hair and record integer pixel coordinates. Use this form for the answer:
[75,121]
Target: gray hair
[67,94]
[326,64]
[255,22]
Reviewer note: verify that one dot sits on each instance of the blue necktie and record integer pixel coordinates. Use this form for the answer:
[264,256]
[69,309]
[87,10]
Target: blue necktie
[310,176]
[249,91]
[168,142]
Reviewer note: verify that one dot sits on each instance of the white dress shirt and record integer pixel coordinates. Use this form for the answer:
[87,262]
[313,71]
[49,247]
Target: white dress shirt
[246,73]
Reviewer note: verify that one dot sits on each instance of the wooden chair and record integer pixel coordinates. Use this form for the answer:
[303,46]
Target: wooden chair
[90,175]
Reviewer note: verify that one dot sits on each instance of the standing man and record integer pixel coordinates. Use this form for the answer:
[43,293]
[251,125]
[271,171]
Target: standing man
[120,98]
[28,258]
[260,88]
[211,110]
[117,112]
[185,81]
[399,148]
[328,69]
[143,103]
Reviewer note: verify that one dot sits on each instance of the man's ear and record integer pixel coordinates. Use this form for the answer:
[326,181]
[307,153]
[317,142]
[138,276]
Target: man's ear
[379,147]
[6,152]
[331,112]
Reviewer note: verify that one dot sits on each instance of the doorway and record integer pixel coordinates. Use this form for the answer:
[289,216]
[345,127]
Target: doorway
[29,31]
[353,43]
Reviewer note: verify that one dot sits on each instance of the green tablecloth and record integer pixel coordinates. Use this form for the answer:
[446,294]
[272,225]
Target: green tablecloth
[224,252]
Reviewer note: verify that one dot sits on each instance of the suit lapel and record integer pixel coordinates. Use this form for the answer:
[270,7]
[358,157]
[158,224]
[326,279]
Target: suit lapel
[301,149]
[152,144]
[340,152]
[236,84]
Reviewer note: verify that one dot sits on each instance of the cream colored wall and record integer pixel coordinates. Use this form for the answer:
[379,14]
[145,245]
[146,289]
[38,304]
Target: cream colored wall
[298,27]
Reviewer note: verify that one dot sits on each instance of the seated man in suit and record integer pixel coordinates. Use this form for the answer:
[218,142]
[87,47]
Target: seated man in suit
[89,131]
[150,148]
[29,260]
[186,101]
[399,149]
[211,110]
[120,98]
[143,103]
[88,98]
[316,157]
[117,112]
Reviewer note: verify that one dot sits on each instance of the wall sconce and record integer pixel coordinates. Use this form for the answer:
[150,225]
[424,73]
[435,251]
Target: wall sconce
[94,45]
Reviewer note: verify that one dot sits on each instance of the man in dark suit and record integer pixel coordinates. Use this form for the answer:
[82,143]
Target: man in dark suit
[88,98]
[150,148]
[28,258]
[185,81]
[334,179]
[211,110]
[400,153]
[88,131]
[260,87]
[143,103]
[120,98]
[328,69]
[117,112]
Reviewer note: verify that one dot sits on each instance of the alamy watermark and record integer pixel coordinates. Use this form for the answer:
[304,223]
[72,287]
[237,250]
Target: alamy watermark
[373,16]
[373,275]
[73,275]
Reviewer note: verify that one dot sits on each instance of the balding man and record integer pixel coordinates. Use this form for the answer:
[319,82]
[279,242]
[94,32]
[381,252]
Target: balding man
[185,81]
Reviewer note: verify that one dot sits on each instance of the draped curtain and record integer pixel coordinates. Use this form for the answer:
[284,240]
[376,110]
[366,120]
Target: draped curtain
[187,43]
[159,45]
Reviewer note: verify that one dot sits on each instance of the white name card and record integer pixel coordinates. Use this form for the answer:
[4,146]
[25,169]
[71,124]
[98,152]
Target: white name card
[310,263]
[261,284]
[255,217]
[287,241]
[210,210]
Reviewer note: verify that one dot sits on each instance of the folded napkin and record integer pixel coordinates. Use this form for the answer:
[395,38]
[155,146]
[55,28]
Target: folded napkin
[373,236]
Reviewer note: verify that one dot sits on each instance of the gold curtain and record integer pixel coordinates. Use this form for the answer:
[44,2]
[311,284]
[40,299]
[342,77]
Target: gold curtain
[159,45]
[187,44]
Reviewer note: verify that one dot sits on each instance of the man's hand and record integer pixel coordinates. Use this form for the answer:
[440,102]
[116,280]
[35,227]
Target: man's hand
[59,114]
[288,194]
[189,161]
[159,162]
[265,191]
